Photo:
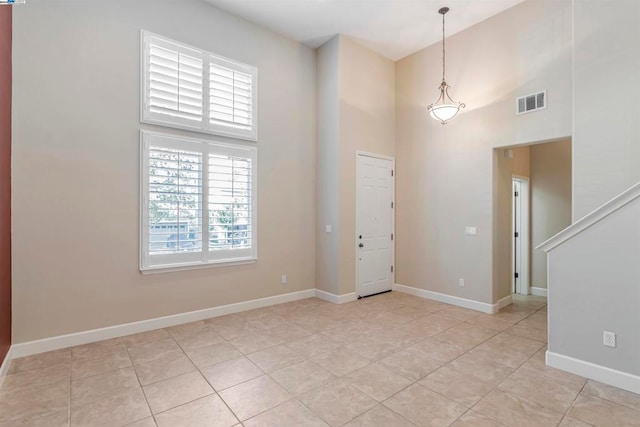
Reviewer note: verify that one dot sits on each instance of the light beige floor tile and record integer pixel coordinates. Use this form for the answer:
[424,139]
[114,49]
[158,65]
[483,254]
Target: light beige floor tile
[124,408]
[458,313]
[572,422]
[380,416]
[40,361]
[232,372]
[374,347]
[529,333]
[187,329]
[289,414]
[411,363]
[164,368]
[98,350]
[253,342]
[268,321]
[425,407]
[209,411]
[474,419]
[510,350]
[492,322]
[514,313]
[337,402]
[513,410]
[81,368]
[57,419]
[438,350]
[36,377]
[231,331]
[153,350]
[253,397]
[551,394]
[289,332]
[146,422]
[436,323]
[602,413]
[145,337]
[213,354]
[313,345]
[203,338]
[464,389]
[612,394]
[34,402]
[102,386]
[378,381]
[540,369]
[274,358]
[341,362]
[465,335]
[176,391]
[302,377]
[536,321]
[482,367]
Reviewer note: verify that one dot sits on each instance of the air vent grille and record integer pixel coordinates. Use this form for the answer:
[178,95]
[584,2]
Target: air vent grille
[532,102]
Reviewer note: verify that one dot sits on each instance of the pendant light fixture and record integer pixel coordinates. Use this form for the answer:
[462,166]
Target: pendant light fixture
[444,108]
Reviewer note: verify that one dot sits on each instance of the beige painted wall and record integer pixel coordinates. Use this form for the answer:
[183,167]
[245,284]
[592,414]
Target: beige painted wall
[76,165]
[606,141]
[445,174]
[365,121]
[550,200]
[327,168]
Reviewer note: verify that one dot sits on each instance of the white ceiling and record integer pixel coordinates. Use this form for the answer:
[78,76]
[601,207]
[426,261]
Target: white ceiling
[393,28]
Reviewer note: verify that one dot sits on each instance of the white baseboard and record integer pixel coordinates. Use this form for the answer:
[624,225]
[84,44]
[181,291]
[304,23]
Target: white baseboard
[541,292]
[336,299]
[448,299]
[502,303]
[590,370]
[5,363]
[85,337]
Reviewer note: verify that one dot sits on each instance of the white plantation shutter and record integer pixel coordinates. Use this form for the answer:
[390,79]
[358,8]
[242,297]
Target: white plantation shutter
[190,88]
[174,83]
[230,202]
[198,203]
[232,96]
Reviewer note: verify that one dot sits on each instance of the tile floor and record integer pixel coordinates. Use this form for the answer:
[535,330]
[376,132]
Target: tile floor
[389,360]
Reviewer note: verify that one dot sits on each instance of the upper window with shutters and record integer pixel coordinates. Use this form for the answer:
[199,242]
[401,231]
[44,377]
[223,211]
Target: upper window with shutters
[189,88]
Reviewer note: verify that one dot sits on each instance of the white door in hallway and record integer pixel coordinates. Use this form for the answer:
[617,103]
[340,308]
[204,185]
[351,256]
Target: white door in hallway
[374,224]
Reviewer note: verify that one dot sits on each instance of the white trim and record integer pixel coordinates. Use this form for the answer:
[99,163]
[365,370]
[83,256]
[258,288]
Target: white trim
[448,299]
[595,372]
[524,230]
[393,214]
[4,368]
[595,216]
[540,292]
[85,337]
[502,303]
[336,299]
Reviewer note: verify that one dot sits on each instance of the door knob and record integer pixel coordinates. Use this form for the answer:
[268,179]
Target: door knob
[361,245]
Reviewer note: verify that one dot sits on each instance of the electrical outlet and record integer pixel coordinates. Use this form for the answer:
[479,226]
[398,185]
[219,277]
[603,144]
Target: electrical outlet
[284,279]
[327,228]
[461,283]
[609,339]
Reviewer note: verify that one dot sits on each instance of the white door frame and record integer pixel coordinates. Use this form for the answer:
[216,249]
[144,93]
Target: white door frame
[393,214]
[523,287]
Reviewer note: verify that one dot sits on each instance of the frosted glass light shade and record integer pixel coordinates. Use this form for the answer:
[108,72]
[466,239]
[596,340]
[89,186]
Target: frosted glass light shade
[444,112]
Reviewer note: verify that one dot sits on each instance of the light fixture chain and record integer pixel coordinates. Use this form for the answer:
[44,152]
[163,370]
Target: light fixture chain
[443,56]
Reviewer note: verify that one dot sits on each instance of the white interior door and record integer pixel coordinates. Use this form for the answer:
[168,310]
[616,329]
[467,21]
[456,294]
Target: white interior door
[374,225]
[520,236]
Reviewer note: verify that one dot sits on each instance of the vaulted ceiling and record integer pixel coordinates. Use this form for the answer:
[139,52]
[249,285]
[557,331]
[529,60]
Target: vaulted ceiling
[393,28]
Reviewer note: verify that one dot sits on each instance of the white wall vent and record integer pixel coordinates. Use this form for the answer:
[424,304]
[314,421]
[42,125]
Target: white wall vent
[533,102]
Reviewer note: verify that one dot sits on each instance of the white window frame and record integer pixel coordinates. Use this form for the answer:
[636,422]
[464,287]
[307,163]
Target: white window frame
[205,258]
[205,126]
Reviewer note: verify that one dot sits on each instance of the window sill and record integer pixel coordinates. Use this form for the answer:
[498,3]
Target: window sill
[157,269]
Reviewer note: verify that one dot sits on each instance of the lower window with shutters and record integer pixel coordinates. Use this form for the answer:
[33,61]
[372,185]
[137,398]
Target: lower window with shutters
[198,203]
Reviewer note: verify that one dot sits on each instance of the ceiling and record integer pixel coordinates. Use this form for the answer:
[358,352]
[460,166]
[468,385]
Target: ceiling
[393,28]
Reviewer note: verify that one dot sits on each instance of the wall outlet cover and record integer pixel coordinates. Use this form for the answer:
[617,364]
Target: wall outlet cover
[609,339]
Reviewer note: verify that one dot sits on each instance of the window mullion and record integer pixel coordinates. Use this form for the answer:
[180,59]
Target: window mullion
[205,203]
